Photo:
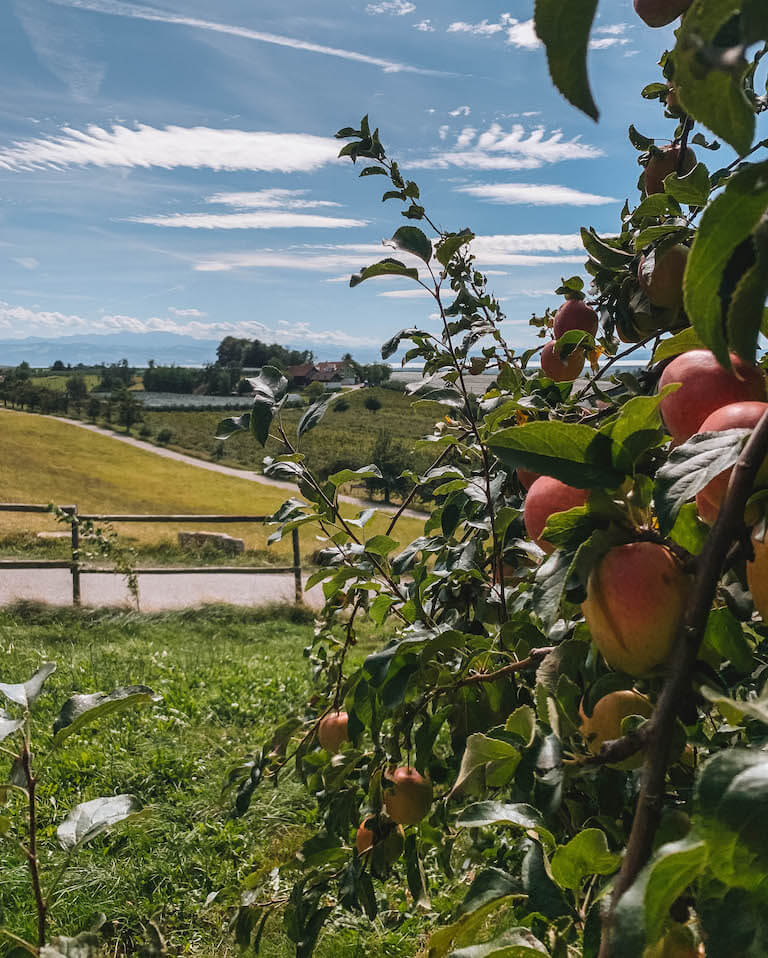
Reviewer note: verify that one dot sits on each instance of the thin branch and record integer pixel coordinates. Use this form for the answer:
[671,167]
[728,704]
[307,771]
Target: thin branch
[26,762]
[478,678]
[604,369]
[682,663]
[410,497]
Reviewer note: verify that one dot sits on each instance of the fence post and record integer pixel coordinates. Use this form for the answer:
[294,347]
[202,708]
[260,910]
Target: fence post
[75,527]
[297,566]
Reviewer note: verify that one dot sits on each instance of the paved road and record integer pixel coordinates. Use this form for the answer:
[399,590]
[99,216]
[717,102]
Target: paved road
[157,593]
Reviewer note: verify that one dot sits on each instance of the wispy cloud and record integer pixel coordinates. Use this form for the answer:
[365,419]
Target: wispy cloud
[270,199]
[522,33]
[262,220]
[531,194]
[186,313]
[27,262]
[135,11]
[518,149]
[461,111]
[170,147]
[425,26]
[418,293]
[398,8]
[535,249]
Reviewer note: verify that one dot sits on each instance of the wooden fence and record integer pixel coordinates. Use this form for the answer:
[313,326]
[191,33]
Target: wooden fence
[79,569]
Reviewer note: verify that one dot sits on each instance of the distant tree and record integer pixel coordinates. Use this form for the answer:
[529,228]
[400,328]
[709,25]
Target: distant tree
[314,391]
[393,459]
[372,403]
[76,388]
[22,371]
[129,410]
[172,379]
[94,408]
[376,373]
[58,365]
[230,350]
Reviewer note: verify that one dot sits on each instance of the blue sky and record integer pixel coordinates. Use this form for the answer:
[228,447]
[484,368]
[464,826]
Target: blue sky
[171,167]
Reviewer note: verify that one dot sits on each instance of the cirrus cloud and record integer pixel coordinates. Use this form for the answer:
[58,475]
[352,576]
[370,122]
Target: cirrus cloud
[533,194]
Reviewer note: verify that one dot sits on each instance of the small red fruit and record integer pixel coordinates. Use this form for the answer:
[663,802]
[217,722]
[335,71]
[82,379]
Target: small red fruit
[706,386]
[559,369]
[575,314]
[660,165]
[737,415]
[604,724]
[527,478]
[332,731]
[636,596]
[661,276]
[407,795]
[660,13]
[546,497]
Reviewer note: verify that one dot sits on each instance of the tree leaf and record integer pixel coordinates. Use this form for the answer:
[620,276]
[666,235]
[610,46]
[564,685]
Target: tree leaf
[270,384]
[515,943]
[692,189]
[571,452]
[8,725]
[725,634]
[85,945]
[746,311]
[350,475]
[708,91]
[85,822]
[587,853]
[728,220]
[26,694]
[82,710]
[450,244]
[228,427]
[691,466]
[313,415]
[386,267]
[494,756]
[482,814]
[679,343]
[564,30]
[262,413]
[643,909]
[487,886]
[411,239]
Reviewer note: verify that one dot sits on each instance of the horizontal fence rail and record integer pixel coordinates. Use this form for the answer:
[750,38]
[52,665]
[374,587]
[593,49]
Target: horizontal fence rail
[79,569]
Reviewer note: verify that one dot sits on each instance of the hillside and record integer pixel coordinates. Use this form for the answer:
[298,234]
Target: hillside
[53,461]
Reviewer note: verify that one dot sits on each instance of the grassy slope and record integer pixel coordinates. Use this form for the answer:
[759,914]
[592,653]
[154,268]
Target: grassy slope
[342,437]
[51,461]
[227,677]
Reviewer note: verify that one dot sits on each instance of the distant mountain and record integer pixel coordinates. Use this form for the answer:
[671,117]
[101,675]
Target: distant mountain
[137,348]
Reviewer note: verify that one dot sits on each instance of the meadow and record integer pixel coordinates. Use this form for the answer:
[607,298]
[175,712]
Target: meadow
[226,677]
[46,460]
[345,437]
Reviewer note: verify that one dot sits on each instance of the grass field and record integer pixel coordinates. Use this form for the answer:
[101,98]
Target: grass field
[45,460]
[226,676]
[342,439]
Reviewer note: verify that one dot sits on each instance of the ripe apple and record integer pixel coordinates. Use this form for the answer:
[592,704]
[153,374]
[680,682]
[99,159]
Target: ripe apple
[546,497]
[660,165]
[659,13]
[604,724]
[737,415]
[677,943]
[706,386]
[389,841]
[527,478]
[661,276]
[636,596]
[757,577]
[562,370]
[407,795]
[575,314]
[332,731]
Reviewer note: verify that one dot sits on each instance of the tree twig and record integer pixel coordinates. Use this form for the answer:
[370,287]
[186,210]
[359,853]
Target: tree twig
[478,678]
[682,662]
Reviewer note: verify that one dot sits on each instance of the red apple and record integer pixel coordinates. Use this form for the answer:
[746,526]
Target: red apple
[575,314]
[332,731]
[661,276]
[546,497]
[706,386]
[562,370]
[407,795]
[527,478]
[660,13]
[660,165]
[737,415]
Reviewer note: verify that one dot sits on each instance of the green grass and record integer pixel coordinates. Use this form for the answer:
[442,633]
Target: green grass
[58,381]
[342,439]
[58,462]
[226,676]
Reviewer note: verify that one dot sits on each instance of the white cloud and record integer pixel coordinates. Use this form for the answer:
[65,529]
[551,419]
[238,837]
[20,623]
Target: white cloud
[461,111]
[425,26]
[444,131]
[264,220]
[134,11]
[269,199]
[521,34]
[418,293]
[171,147]
[518,149]
[613,29]
[483,29]
[532,249]
[603,43]
[398,8]
[196,313]
[21,321]
[27,262]
[535,194]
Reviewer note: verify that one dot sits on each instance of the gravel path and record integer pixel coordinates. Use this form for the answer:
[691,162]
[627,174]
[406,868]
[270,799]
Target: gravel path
[157,593]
